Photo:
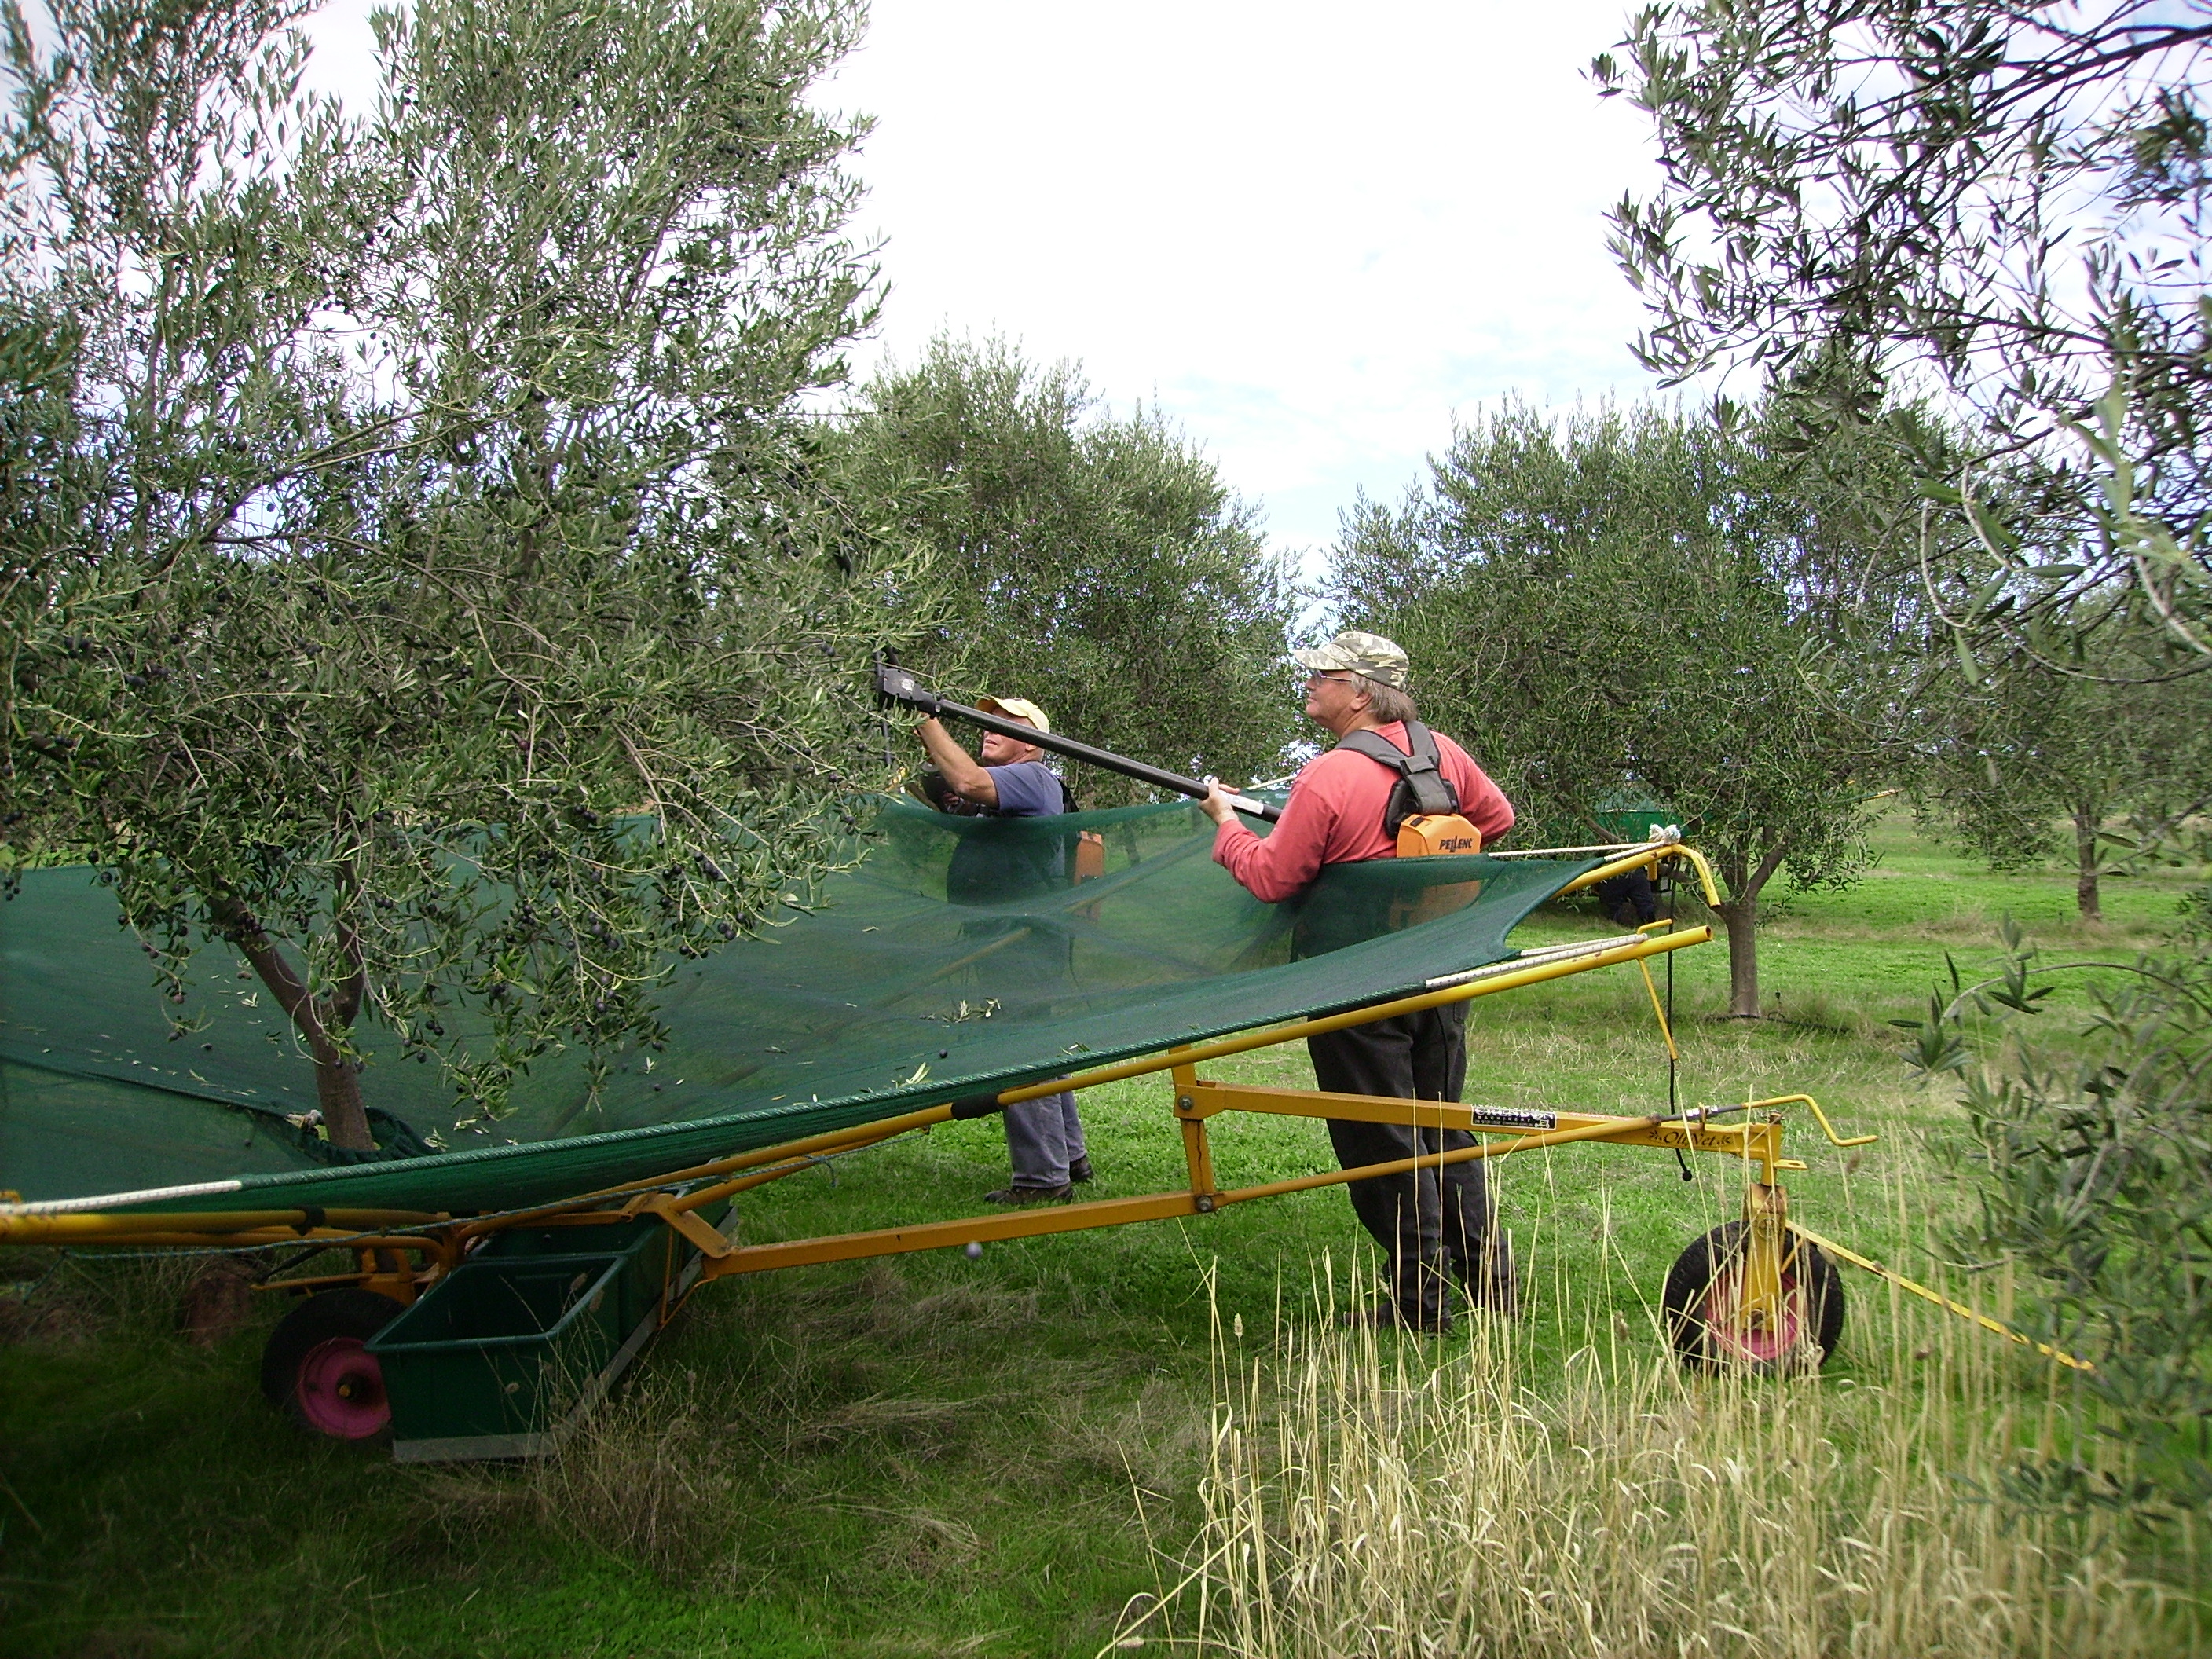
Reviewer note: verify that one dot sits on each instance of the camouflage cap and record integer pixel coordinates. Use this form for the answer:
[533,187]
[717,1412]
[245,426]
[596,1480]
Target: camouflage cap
[1353,652]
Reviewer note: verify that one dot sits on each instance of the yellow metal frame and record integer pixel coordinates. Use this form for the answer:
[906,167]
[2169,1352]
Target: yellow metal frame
[384,1240]
[1198,1099]
[1972,1316]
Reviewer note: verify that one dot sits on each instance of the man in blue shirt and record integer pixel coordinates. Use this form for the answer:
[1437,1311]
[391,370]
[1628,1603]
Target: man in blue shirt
[1044,1138]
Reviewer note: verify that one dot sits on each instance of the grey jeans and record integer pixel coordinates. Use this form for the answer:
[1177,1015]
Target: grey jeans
[1043,1137]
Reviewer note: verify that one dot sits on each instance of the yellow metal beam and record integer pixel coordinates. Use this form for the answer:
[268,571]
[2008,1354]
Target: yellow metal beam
[1651,858]
[1740,1141]
[828,1141]
[1759,1307]
[1605,1130]
[1970,1315]
[694,1226]
[1820,1116]
[1531,1127]
[796,1162]
[208,1227]
[1199,1054]
[1030,1223]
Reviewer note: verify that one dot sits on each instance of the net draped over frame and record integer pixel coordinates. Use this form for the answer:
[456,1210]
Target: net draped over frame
[886,997]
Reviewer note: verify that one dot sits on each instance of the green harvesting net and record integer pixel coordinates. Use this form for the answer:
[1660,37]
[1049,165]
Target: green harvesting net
[961,956]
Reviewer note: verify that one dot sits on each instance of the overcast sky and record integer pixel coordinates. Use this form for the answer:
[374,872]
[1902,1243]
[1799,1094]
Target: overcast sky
[1312,235]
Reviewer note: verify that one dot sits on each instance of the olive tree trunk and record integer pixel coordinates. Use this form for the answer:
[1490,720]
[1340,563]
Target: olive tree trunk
[1739,914]
[2086,898]
[324,1022]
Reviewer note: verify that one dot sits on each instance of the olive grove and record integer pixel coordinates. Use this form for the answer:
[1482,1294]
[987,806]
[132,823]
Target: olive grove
[420,578]
[1093,563]
[1607,600]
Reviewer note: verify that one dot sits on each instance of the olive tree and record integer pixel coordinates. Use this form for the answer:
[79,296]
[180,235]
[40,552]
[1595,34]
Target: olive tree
[1604,599]
[46,484]
[2004,202]
[461,626]
[2113,763]
[2084,1167]
[1095,564]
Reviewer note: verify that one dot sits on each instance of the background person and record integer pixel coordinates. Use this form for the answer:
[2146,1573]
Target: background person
[1628,900]
[1428,1219]
[1044,1137]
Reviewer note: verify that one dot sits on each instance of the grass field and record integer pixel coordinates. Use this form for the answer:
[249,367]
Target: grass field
[933,1455]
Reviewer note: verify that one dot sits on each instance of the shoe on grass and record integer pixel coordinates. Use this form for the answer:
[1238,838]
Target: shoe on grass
[1079,1171]
[1021,1198]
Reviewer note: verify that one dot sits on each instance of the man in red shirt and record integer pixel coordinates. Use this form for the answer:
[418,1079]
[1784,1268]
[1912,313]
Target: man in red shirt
[1427,1218]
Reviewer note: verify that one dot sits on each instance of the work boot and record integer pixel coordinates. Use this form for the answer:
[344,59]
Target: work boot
[1079,1171]
[1021,1198]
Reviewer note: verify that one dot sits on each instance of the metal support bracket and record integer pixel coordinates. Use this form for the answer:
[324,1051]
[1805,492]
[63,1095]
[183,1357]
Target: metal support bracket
[694,1226]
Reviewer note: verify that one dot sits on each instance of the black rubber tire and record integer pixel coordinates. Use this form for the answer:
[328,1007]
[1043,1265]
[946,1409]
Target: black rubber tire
[348,1311]
[1690,1281]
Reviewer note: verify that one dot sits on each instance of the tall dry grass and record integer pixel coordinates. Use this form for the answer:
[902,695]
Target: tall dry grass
[1367,1495]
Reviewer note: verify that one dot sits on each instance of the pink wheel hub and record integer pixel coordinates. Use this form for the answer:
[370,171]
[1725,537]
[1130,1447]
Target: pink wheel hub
[341,1390]
[1752,1344]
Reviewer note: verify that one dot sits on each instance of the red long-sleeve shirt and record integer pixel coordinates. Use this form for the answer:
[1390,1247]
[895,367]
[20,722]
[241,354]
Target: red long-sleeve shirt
[1334,816]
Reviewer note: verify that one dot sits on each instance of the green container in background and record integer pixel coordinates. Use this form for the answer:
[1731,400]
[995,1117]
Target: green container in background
[1629,814]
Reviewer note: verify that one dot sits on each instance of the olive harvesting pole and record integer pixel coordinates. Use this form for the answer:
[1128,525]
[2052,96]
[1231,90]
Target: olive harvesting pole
[897,685]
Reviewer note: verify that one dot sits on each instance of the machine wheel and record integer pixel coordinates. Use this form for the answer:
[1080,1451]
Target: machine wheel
[1700,1295]
[317,1367]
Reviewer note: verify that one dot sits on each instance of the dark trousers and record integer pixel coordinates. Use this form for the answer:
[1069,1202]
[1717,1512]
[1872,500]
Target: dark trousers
[1430,1223]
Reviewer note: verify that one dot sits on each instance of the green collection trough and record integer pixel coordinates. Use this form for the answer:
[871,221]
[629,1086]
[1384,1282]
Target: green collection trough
[507,1354]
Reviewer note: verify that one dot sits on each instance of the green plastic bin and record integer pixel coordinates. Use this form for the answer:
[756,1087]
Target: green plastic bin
[504,1356]
[654,1255]
[1630,816]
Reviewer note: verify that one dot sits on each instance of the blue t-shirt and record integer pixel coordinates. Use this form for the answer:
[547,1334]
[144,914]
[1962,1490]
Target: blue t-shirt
[1027,789]
[995,865]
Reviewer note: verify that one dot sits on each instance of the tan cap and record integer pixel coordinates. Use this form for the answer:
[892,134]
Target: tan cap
[1353,652]
[1018,709]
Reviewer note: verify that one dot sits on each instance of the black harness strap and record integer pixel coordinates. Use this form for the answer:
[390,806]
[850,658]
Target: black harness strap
[1421,789]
